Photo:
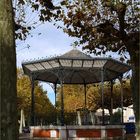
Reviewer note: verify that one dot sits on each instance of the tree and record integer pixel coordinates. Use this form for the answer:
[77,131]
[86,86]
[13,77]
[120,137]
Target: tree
[107,26]
[74,97]
[94,96]
[8,117]
[30,14]
[8,108]
[44,110]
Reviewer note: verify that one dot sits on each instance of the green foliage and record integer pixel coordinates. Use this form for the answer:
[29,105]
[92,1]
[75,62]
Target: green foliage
[43,107]
[70,118]
[94,96]
[116,117]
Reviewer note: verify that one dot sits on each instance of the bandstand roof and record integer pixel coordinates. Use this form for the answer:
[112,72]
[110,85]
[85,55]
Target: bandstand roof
[75,67]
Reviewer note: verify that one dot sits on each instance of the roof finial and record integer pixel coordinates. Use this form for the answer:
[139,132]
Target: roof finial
[74,45]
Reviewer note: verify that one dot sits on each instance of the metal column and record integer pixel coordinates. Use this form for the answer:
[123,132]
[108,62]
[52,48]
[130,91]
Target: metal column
[55,86]
[120,79]
[62,103]
[111,98]
[32,102]
[102,95]
[85,91]
[85,109]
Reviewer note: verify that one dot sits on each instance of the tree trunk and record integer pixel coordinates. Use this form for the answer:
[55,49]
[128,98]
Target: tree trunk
[8,112]
[135,59]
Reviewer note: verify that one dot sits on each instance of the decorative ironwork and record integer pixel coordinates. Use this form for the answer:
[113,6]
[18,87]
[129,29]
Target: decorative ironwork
[74,67]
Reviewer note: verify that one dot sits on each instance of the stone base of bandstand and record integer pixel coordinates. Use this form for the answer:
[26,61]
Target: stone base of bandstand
[87,132]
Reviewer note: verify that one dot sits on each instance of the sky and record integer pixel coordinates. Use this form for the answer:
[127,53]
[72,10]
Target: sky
[51,42]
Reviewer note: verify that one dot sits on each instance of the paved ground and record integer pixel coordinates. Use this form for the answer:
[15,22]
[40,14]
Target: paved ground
[130,137]
[27,137]
[24,136]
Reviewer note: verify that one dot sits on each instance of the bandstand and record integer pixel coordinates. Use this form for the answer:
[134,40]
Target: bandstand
[75,67]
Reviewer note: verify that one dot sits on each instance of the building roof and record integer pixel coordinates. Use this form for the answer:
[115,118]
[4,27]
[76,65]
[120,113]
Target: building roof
[75,67]
[75,54]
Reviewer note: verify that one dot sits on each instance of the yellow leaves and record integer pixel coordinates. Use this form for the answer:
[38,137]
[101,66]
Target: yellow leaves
[74,96]
[42,104]
[73,102]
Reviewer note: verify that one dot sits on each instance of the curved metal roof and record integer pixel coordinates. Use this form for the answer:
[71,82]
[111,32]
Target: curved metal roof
[75,67]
